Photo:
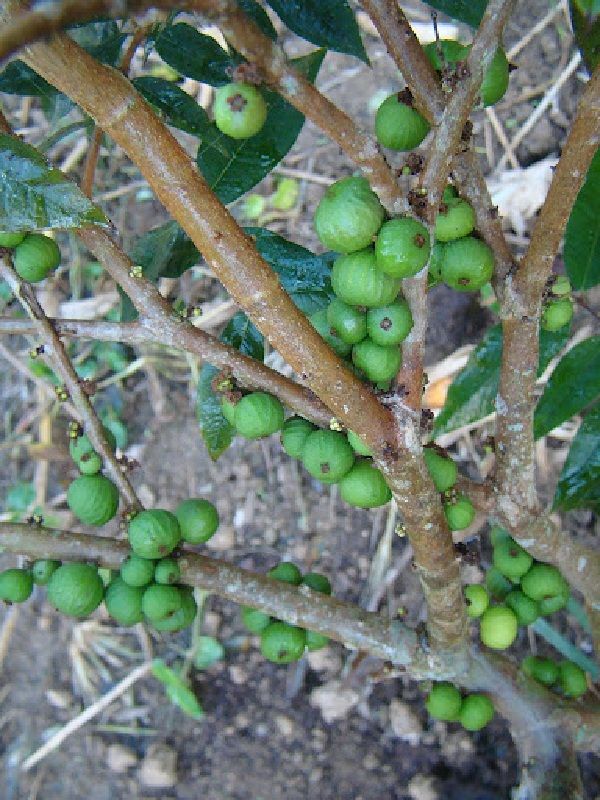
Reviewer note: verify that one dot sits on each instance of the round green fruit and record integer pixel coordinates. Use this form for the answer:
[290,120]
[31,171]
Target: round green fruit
[550,605]
[16,585]
[287,572]
[543,670]
[316,641]
[357,444]
[399,126]
[357,281]
[348,216]
[258,414]
[183,617]
[327,456]
[124,602]
[495,80]
[544,582]
[460,513]
[228,410]
[444,702]
[317,582]
[477,599]
[445,52]
[467,264]
[294,434]
[254,620]
[43,570]
[571,679]
[498,627]
[443,470]
[154,533]
[498,534]
[402,247]
[75,589]
[435,263]
[380,363]
[93,499]
[557,314]
[282,643]
[167,571]
[137,571]
[526,609]
[364,487]
[455,221]
[561,286]
[90,464]
[240,110]
[326,331]
[389,324]
[476,711]
[160,602]
[198,520]
[497,584]
[81,446]
[349,323]
[35,257]
[511,559]
[8,239]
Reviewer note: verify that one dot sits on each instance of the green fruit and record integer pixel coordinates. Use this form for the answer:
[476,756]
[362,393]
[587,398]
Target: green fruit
[389,324]
[498,627]
[81,446]
[287,573]
[544,582]
[240,110]
[317,582]
[16,585]
[550,605]
[327,456]
[137,571]
[357,444]
[557,314]
[477,599]
[282,643]
[510,558]
[124,602]
[467,264]
[294,434]
[316,641]
[379,363]
[398,125]
[319,322]
[198,520]
[167,571]
[475,712]
[93,499]
[35,257]
[495,79]
[356,280]
[402,247]
[154,533]
[8,239]
[443,470]
[561,286]
[348,322]
[444,702]
[160,602]
[526,609]
[90,464]
[75,589]
[348,216]
[183,617]
[228,410]
[543,670]
[497,585]
[456,221]
[435,263]
[258,414]
[451,52]
[572,679]
[254,620]
[364,486]
[460,513]
[498,534]
[43,570]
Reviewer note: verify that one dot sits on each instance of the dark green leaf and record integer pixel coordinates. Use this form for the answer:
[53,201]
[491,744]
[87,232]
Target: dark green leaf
[18,78]
[33,195]
[574,385]
[103,40]
[244,336]
[194,54]
[186,700]
[252,9]
[327,23]
[232,167]
[177,108]
[582,236]
[586,27]
[579,482]
[216,431]
[469,11]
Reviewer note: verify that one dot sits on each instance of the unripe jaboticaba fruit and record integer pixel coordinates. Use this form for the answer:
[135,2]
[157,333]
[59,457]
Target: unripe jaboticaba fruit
[561,286]
[402,247]
[348,216]
[258,414]
[327,456]
[348,322]
[435,263]
[460,513]
[240,110]
[572,679]
[364,486]
[550,605]
[475,712]
[379,363]
[137,571]
[90,464]
[282,643]
[154,533]
[526,609]
[451,52]
[510,558]
[495,79]
[320,323]
[182,618]
[443,470]
[357,444]
[16,585]
[444,702]
[287,572]
[317,582]
[8,239]
[556,314]
[389,324]
[544,582]
[35,257]
[477,599]
[228,410]
[82,446]
[93,499]
[294,434]
[198,520]
[456,221]
[43,570]
[398,125]
[498,627]
[499,534]
[160,602]
[75,589]
[467,264]
[167,571]
[124,602]
[357,281]
[254,620]
[543,670]
[497,584]
[316,641]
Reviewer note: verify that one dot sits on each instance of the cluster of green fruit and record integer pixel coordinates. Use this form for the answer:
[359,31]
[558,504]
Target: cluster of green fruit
[565,676]
[557,310]
[446,703]
[458,509]
[35,255]
[240,110]
[280,642]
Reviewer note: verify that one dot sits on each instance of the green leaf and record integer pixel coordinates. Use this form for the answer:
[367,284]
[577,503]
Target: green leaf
[327,23]
[186,700]
[574,385]
[469,11]
[582,236]
[216,431]
[252,9]
[176,106]
[232,167]
[164,674]
[579,482]
[586,27]
[102,40]
[194,54]
[208,652]
[34,196]
[18,78]
[244,336]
